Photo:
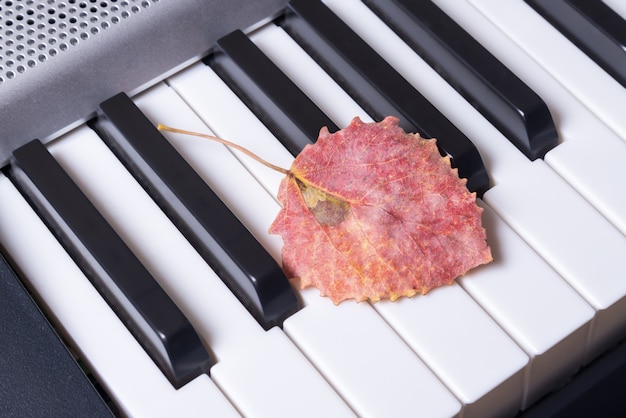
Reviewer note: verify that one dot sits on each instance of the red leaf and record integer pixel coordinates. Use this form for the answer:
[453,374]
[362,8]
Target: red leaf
[371,212]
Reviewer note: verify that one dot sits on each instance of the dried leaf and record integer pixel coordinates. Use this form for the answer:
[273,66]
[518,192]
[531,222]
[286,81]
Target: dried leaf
[371,212]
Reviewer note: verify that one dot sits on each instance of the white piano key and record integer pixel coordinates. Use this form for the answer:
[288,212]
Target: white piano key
[308,76]
[519,291]
[199,293]
[233,371]
[216,164]
[330,335]
[594,165]
[283,384]
[393,349]
[594,147]
[540,336]
[540,222]
[367,363]
[494,145]
[465,348]
[213,101]
[543,332]
[310,329]
[577,124]
[504,161]
[120,364]
[591,155]
[499,155]
[618,6]
[169,257]
[567,64]
[567,232]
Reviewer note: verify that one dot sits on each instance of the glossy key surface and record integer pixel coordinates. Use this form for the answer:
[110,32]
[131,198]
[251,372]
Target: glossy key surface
[213,229]
[536,197]
[563,60]
[236,338]
[517,111]
[135,384]
[287,112]
[315,367]
[590,154]
[337,340]
[376,86]
[594,27]
[140,302]
[305,72]
[507,286]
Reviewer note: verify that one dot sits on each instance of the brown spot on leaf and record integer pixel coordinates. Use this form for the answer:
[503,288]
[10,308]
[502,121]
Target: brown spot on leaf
[327,209]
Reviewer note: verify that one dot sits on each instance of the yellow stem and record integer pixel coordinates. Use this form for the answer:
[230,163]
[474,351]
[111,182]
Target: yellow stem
[227,143]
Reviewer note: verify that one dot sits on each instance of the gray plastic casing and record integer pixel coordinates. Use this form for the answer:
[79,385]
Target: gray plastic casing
[60,59]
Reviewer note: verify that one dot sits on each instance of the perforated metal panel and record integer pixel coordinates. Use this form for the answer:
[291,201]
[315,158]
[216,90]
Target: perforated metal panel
[32,32]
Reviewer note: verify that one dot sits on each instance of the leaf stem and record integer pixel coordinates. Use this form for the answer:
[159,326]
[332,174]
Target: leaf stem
[227,143]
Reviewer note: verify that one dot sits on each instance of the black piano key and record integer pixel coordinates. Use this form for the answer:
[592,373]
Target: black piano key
[593,27]
[376,86]
[38,376]
[134,295]
[215,232]
[287,112]
[497,93]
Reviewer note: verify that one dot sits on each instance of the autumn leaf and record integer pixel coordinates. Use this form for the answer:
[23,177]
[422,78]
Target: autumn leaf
[370,212]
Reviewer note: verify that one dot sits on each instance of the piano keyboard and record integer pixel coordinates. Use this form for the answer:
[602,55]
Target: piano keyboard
[492,344]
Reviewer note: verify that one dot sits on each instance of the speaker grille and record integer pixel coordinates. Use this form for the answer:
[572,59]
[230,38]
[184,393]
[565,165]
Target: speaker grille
[32,32]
